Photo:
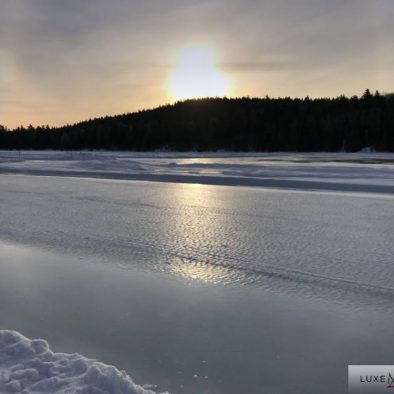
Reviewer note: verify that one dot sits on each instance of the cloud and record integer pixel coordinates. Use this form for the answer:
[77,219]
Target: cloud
[256,66]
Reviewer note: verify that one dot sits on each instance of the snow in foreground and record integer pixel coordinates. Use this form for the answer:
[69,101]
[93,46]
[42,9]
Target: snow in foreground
[30,366]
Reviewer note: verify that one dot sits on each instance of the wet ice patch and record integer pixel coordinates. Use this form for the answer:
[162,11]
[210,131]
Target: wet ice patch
[29,366]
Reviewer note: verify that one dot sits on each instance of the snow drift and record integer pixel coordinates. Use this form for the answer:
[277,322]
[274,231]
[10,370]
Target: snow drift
[29,366]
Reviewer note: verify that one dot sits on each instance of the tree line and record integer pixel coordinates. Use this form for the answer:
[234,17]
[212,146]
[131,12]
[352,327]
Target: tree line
[236,124]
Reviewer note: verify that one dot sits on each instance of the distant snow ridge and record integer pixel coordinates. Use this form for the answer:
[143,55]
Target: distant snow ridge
[29,366]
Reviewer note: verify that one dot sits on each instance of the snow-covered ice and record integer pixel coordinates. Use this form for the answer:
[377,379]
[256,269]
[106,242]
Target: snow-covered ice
[29,366]
[315,171]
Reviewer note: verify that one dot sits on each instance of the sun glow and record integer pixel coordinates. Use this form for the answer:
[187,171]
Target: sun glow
[196,75]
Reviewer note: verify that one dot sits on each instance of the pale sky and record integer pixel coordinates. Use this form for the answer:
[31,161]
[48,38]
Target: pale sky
[62,61]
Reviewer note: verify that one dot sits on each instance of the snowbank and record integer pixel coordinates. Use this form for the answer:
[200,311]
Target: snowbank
[29,366]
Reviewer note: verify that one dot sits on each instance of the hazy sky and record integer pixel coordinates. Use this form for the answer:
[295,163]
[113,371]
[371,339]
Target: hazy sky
[62,61]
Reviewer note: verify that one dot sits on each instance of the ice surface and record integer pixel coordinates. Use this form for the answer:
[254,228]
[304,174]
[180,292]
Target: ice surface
[164,329]
[29,366]
[223,234]
[315,220]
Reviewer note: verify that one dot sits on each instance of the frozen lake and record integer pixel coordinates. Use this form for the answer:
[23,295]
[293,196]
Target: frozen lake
[251,289]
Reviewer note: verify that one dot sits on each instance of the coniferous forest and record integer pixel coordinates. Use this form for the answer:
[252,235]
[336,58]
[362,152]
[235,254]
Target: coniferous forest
[239,124]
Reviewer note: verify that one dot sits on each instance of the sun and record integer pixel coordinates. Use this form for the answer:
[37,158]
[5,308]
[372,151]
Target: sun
[196,75]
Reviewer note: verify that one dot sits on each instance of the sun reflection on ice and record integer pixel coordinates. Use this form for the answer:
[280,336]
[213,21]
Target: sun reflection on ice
[192,220]
[208,272]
